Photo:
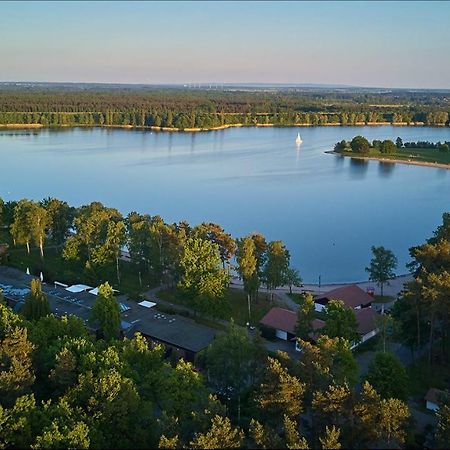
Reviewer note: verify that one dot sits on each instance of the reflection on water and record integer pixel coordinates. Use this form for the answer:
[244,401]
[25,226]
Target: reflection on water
[328,209]
[358,167]
[386,169]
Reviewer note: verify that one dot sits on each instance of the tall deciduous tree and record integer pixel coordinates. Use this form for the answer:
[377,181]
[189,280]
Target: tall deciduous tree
[203,278]
[216,234]
[99,235]
[382,266]
[277,264]
[106,312]
[22,228]
[61,217]
[248,268]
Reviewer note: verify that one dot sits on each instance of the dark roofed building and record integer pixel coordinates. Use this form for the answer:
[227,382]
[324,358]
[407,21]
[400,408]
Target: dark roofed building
[352,296]
[180,335]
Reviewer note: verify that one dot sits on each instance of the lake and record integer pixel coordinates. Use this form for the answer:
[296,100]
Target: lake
[329,210]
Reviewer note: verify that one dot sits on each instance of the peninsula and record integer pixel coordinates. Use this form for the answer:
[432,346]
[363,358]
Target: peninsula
[421,153]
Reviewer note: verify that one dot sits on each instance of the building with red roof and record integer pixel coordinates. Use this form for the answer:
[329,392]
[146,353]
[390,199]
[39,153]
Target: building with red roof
[283,322]
[352,295]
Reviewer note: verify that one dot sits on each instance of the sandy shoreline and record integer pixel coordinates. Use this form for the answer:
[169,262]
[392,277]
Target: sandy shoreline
[221,127]
[394,161]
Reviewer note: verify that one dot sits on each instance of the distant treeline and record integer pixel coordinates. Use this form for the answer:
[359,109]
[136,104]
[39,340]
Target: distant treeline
[208,109]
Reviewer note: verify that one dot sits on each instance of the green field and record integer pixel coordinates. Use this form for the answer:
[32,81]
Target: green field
[429,155]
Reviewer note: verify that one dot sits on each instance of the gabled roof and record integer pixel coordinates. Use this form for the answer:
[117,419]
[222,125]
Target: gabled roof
[281,319]
[351,295]
[434,396]
[366,320]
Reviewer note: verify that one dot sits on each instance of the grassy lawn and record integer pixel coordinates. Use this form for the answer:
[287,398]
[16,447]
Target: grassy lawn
[422,377]
[54,267]
[236,305]
[431,155]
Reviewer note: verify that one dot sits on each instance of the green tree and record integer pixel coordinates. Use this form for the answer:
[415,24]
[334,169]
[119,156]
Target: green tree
[360,144]
[280,392]
[393,420]
[277,264]
[38,219]
[293,278]
[106,312]
[331,438]
[329,361]
[264,436]
[442,434]
[216,234]
[16,371]
[388,376]
[229,361]
[61,217]
[387,146]
[247,268]
[293,438]
[382,266]
[21,227]
[399,142]
[305,316]
[100,232]
[36,302]
[220,435]
[203,279]
[340,322]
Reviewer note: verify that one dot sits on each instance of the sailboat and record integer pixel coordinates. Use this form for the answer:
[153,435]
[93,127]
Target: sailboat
[298,139]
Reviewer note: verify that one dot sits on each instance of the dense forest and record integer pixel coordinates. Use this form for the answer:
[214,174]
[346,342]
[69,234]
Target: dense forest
[62,387]
[205,109]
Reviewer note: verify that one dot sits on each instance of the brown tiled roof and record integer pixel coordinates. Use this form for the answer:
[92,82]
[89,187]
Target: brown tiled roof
[351,295]
[281,319]
[366,320]
[433,395]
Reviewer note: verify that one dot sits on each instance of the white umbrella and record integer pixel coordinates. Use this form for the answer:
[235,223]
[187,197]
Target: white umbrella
[42,277]
[28,271]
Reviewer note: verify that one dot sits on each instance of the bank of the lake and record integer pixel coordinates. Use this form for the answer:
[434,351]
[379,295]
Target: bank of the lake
[427,157]
[215,128]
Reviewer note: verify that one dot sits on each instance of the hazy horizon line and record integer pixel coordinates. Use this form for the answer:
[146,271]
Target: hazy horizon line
[227,83]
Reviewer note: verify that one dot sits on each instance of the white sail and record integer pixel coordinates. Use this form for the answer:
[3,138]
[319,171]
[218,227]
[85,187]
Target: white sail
[298,140]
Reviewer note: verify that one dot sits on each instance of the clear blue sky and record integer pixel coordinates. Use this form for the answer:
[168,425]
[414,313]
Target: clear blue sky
[392,44]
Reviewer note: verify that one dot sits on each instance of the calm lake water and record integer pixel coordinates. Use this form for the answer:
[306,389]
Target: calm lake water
[329,210]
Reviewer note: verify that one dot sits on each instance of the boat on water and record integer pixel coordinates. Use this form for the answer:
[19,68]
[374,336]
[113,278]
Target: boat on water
[298,139]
